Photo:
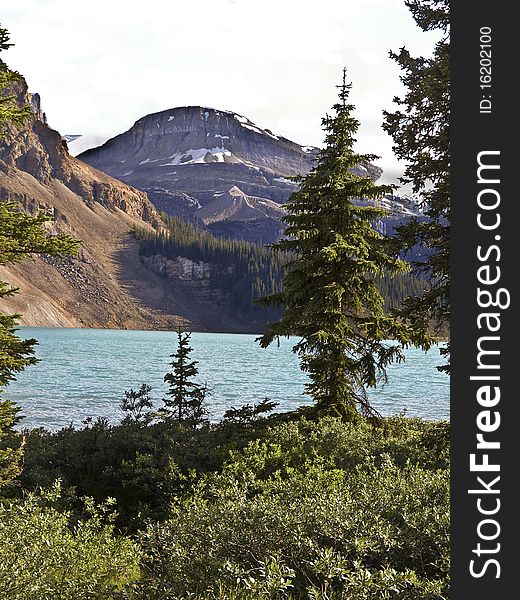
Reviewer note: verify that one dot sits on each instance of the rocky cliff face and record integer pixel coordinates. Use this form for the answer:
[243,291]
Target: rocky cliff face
[39,151]
[202,153]
[105,285]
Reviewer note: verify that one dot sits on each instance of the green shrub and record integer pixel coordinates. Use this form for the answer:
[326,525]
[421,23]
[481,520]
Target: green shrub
[327,531]
[43,556]
[322,510]
[345,445]
[141,466]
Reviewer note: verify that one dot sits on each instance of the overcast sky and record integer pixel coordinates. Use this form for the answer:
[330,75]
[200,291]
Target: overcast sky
[99,65]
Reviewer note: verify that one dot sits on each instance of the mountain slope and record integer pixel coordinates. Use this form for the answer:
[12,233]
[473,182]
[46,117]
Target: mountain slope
[105,285]
[201,152]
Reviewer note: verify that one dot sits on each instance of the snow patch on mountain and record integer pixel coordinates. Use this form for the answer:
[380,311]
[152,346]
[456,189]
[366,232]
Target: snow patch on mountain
[198,156]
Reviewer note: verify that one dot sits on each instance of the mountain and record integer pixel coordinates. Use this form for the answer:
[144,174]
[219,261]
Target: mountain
[210,165]
[130,272]
[113,282]
[105,285]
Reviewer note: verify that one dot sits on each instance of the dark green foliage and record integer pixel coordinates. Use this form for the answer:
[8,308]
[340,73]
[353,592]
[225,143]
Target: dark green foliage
[317,528]
[129,462]
[242,270]
[245,271]
[329,294]
[398,287]
[286,517]
[187,398]
[421,133]
[20,236]
[303,509]
[10,456]
[248,413]
[135,405]
[339,445]
[10,112]
[143,466]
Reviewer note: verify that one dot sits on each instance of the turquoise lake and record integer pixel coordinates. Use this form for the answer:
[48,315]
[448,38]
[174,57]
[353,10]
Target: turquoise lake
[84,373]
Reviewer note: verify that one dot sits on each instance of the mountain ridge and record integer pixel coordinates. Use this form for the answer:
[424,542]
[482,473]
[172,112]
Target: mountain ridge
[185,157]
[216,167]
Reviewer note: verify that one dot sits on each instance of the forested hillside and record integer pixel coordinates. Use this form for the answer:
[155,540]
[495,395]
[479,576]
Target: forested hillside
[245,271]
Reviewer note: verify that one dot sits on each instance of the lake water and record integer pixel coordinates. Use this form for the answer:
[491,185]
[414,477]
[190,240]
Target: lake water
[84,372]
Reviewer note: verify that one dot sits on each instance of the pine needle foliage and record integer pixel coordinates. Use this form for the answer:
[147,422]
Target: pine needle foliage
[186,402]
[330,293]
[420,128]
[10,112]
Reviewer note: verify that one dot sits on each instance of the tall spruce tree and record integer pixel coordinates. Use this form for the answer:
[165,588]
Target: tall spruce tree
[186,403]
[21,235]
[330,295]
[421,134]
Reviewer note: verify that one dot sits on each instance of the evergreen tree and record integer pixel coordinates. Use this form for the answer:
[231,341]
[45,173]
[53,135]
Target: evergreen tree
[187,397]
[20,236]
[135,403]
[10,458]
[422,138]
[329,292]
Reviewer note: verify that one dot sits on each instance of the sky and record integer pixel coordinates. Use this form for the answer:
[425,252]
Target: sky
[100,65]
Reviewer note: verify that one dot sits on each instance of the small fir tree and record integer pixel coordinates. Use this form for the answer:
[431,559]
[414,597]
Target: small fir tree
[136,405]
[186,402]
[330,295]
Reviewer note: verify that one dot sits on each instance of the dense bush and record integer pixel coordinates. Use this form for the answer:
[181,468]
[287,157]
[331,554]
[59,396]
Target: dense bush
[142,467]
[43,555]
[274,523]
[314,530]
[272,508]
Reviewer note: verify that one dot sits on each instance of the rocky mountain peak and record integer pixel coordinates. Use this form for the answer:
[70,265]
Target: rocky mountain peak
[204,127]
[208,164]
[196,135]
[36,105]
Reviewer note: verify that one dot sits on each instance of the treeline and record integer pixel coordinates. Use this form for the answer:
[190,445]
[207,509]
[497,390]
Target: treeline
[242,270]
[246,271]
